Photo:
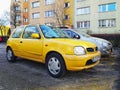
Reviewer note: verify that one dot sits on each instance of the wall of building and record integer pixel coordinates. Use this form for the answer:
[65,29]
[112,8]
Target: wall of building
[69,11]
[94,16]
[25,14]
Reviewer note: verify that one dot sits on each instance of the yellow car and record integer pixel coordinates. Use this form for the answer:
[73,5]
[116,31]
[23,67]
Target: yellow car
[59,52]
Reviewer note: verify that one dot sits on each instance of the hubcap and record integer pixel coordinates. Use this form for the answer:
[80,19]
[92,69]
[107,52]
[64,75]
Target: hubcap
[54,65]
[9,54]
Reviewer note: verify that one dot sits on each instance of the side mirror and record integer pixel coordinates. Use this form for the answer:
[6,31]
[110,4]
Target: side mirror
[76,36]
[35,36]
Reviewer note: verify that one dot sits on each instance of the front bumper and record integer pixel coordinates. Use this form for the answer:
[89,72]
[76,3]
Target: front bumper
[106,51]
[75,63]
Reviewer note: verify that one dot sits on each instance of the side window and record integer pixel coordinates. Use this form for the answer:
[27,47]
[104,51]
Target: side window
[68,33]
[29,30]
[17,32]
[74,34]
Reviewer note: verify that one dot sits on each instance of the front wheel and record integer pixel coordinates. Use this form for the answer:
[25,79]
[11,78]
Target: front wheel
[55,65]
[10,55]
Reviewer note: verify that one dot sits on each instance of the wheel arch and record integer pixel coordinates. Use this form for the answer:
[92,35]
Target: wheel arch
[53,52]
[8,47]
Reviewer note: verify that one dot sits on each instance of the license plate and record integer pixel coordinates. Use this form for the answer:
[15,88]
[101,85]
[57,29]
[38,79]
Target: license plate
[96,58]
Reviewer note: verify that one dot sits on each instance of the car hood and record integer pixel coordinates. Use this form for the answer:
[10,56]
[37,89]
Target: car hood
[99,40]
[73,42]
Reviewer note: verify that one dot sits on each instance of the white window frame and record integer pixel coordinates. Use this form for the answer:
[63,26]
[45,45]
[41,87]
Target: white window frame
[107,23]
[35,15]
[25,19]
[83,24]
[49,13]
[35,4]
[25,10]
[49,2]
[83,10]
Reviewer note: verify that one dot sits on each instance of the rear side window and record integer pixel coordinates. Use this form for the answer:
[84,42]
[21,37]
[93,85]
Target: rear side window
[69,33]
[17,32]
[73,34]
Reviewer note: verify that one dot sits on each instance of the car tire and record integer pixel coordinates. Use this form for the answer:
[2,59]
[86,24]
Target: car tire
[10,55]
[55,65]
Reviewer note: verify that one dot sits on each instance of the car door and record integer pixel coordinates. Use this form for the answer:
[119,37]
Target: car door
[15,39]
[31,48]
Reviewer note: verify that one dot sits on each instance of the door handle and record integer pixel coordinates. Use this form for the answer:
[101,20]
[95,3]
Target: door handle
[20,41]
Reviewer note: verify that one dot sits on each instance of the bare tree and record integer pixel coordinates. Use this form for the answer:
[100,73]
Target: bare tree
[5,20]
[59,12]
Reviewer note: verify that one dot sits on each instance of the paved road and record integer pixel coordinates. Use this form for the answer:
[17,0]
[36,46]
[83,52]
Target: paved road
[29,75]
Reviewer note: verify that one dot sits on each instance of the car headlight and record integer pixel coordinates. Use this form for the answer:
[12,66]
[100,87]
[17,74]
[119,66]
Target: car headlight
[105,44]
[79,50]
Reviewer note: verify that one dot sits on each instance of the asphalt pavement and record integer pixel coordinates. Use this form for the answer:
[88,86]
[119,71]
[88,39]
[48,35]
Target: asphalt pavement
[29,75]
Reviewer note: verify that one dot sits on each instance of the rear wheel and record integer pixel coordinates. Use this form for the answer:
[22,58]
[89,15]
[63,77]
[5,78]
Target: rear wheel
[10,55]
[55,65]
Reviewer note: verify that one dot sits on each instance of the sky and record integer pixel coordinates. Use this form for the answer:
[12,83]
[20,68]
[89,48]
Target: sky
[4,6]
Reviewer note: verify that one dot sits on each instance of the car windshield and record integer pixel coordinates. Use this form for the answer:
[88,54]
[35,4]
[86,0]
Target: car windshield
[84,34]
[49,32]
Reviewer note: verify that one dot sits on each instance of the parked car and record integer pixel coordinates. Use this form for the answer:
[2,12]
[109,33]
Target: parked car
[59,52]
[104,46]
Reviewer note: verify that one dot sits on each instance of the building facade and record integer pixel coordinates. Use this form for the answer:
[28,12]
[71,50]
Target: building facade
[97,16]
[50,12]
[68,12]
[25,12]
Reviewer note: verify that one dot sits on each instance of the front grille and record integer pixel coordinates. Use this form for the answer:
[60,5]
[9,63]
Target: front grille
[96,48]
[89,62]
[92,49]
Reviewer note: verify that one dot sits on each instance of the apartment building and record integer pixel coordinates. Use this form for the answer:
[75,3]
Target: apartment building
[97,16]
[15,12]
[50,12]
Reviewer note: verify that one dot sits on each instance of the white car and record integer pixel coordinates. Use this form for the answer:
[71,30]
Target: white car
[104,46]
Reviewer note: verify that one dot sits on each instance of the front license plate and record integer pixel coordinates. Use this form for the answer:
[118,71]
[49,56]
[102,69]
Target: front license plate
[96,58]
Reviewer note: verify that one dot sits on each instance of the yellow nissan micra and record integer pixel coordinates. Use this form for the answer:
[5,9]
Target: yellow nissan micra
[59,52]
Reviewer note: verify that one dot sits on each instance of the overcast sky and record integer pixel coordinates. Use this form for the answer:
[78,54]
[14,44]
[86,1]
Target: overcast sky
[4,6]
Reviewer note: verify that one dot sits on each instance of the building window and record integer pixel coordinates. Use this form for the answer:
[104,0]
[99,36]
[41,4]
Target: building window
[83,24]
[107,7]
[66,17]
[25,0]
[25,9]
[17,17]
[85,10]
[50,24]
[67,4]
[107,23]
[36,15]
[17,8]
[25,20]
[35,4]
[49,13]
[47,2]
[16,0]
[80,0]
